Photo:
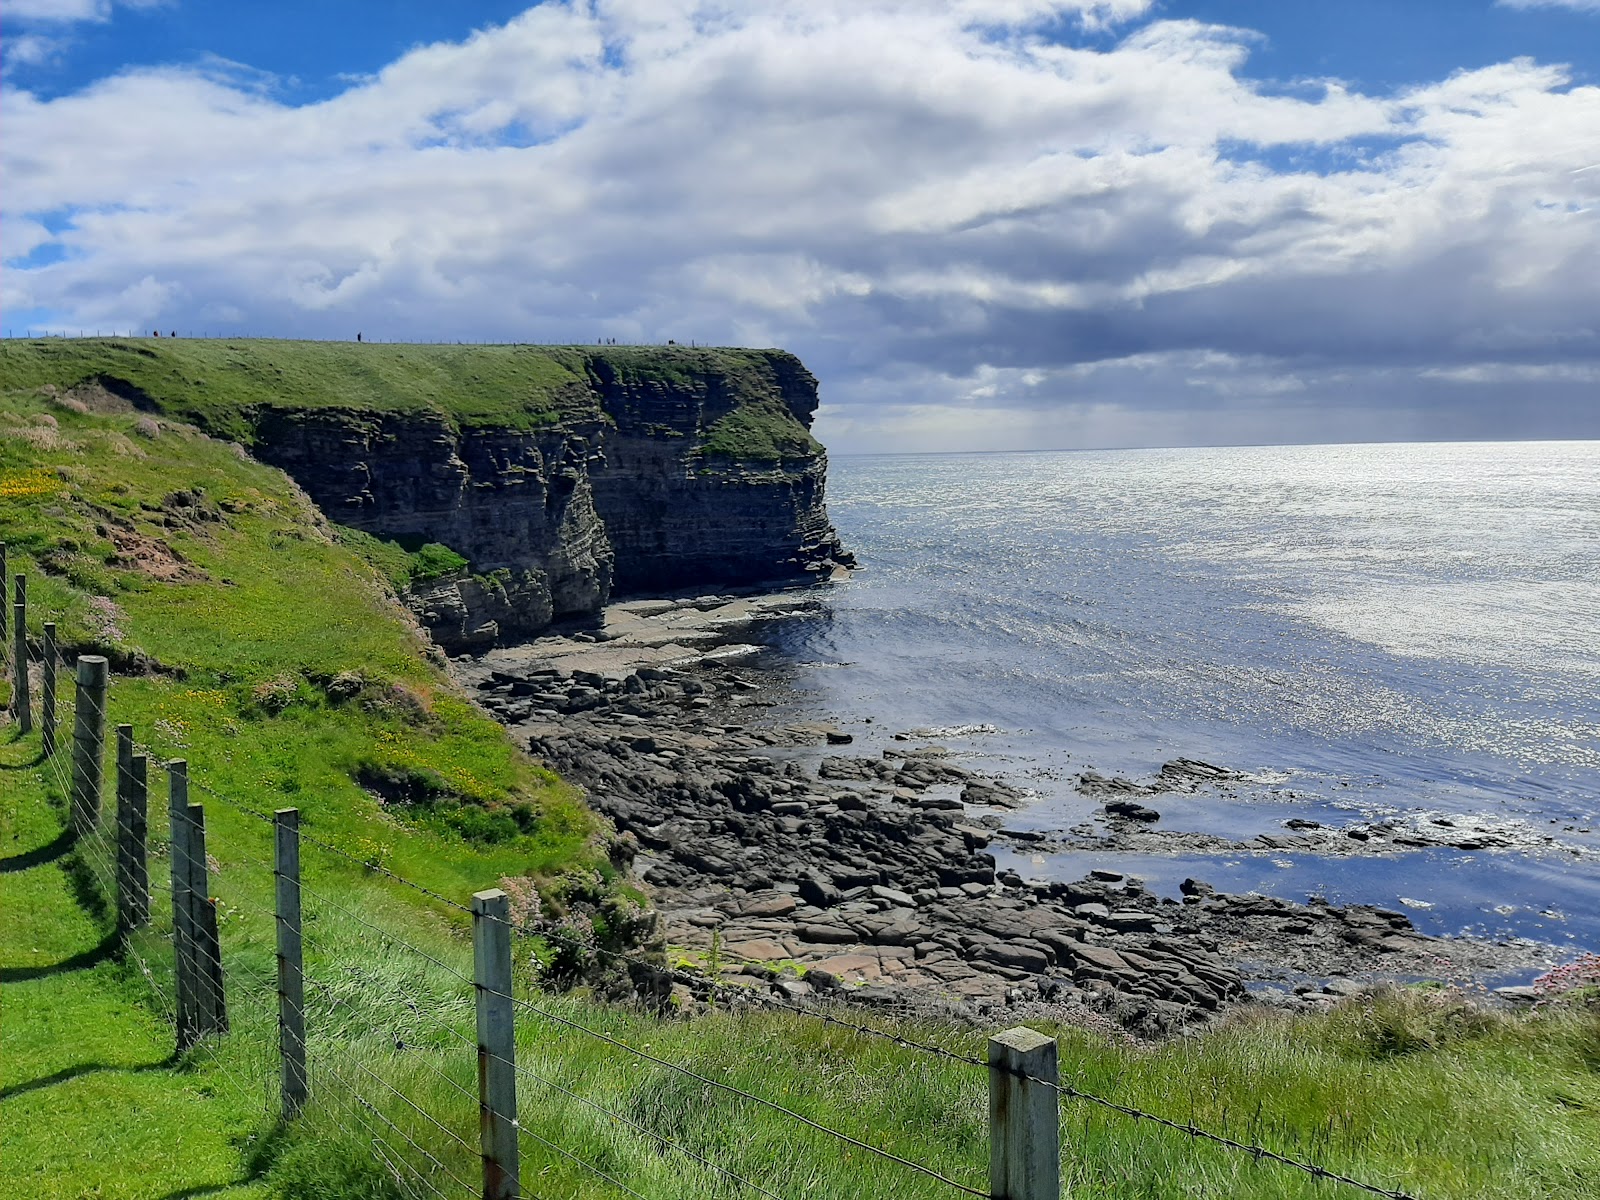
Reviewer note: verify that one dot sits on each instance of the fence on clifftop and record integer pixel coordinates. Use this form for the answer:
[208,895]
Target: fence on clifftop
[205,948]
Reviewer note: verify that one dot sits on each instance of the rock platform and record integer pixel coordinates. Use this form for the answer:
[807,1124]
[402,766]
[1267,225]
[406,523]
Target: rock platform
[780,858]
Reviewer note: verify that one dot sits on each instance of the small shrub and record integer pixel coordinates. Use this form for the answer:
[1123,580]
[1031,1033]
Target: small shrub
[147,427]
[107,622]
[346,684]
[401,783]
[570,955]
[275,694]
[523,894]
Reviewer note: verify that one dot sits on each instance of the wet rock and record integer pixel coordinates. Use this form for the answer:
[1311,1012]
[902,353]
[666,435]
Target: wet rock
[1131,811]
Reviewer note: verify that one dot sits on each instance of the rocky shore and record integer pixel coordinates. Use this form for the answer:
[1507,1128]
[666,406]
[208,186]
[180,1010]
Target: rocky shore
[781,856]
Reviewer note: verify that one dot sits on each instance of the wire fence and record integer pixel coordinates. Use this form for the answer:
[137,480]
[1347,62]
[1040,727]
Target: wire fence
[385,1018]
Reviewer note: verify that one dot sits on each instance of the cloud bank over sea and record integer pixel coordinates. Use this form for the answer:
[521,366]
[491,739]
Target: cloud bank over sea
[985,224]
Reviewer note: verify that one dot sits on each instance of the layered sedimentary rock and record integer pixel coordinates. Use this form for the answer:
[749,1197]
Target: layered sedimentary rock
[697,471]
[678,511]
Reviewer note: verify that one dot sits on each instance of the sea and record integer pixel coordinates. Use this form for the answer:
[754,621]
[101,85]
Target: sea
[1407,631]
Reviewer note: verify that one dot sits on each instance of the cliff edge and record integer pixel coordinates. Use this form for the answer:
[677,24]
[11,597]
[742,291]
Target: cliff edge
[557,476]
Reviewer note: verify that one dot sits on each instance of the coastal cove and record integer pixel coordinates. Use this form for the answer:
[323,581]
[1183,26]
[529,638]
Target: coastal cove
[1030,638]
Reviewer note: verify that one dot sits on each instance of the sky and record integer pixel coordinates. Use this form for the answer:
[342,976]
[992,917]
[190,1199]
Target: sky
[983,224]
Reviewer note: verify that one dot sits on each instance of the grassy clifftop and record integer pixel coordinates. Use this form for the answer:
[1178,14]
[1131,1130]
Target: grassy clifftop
[221,384]
[260,647]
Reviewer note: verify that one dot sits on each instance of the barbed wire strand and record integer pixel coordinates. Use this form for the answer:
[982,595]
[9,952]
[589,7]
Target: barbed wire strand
[764,999]
[472,1043]
[386,934]
[645,1055]
[471,1150]
[1196,1132]
[1259,1153]
[773,1105]
[358,1102]
[524,1131]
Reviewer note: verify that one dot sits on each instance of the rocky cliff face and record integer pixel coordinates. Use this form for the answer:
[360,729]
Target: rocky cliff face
[688,501]
[688,469]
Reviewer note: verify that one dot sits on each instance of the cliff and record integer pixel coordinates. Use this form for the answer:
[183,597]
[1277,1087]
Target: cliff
[563,475]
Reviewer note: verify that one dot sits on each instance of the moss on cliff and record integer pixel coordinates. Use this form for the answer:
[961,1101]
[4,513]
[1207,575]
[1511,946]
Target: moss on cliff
[764,431]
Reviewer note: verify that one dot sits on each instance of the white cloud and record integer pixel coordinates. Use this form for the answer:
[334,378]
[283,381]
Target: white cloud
[912,196]
[68,11]
[31,49]
[1575,5]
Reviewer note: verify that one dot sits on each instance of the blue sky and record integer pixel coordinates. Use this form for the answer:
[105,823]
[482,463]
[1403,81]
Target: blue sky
[1370,43]
[993,223]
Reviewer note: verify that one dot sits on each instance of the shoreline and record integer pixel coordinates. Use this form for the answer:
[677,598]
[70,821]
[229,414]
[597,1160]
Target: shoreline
[774,848]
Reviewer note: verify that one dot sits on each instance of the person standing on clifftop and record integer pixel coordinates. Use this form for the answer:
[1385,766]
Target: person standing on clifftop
[358,337]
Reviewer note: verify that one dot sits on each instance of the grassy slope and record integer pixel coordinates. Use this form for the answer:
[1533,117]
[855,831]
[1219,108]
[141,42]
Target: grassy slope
[1411,1091]
[218,384]
[269,612]
[90,1101]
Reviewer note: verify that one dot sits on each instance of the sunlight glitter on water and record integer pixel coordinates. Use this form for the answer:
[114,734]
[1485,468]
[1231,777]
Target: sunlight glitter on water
[1415,622]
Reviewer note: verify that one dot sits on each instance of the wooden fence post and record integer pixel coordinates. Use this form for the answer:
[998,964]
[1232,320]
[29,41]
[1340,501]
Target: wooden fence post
[133,879]
[132,867]
[182,933]
[48,690]
[21,702]
[139,814]
[497,1079]
[4,588]
[122,849]
[1024,1126]
[210,1002]
[89,743]
[291,978]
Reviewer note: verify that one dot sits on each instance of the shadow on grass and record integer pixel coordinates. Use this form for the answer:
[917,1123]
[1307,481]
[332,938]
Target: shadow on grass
[23,766]
[56,848]
[94,1068]
[77,962]
[205,1189]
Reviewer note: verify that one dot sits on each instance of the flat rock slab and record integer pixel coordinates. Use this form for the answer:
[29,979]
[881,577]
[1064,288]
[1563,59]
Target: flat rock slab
[850,967]
[760,950]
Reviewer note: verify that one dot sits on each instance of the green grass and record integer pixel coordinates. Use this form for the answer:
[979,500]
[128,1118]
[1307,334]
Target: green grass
[228,386]
[222,385]
[1416,1089]
[92,1102]
[763,432]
